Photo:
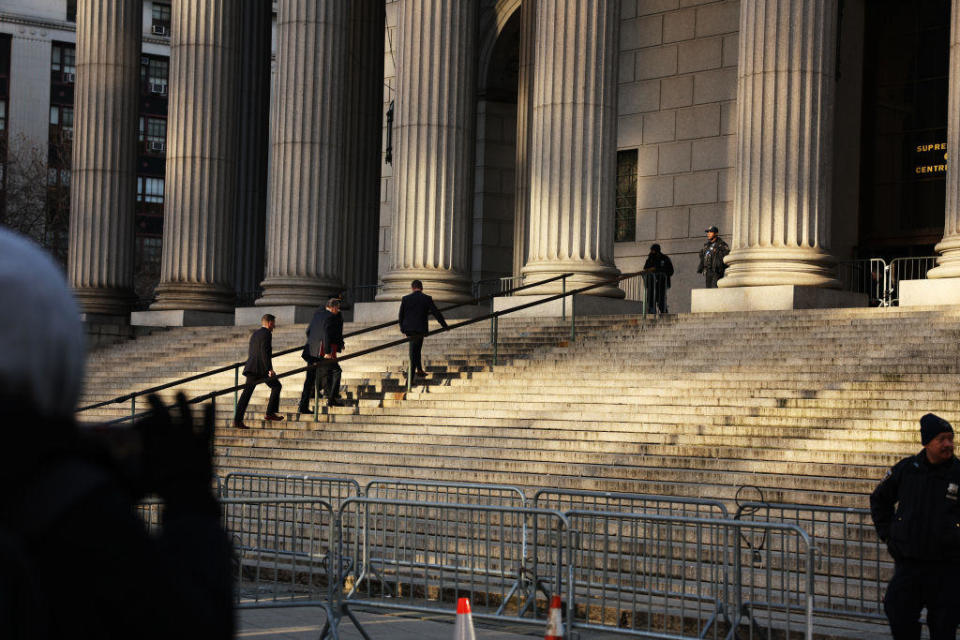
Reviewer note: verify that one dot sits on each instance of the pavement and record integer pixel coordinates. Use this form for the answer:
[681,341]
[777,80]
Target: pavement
[303,623]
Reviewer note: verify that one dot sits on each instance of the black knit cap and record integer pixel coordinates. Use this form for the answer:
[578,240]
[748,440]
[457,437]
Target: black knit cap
[931,426]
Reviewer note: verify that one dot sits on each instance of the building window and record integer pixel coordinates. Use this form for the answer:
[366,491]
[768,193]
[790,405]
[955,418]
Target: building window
[153,134]
[63,62]
[3,115]
[150,190]
[61,123]
[71,10]
[626,214]
[161,19]
[154,73]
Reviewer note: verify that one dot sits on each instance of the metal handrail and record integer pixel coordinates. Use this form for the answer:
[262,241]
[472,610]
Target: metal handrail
[491,316]
[167,385]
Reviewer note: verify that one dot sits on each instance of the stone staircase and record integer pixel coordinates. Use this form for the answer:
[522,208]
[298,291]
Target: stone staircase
[807,406]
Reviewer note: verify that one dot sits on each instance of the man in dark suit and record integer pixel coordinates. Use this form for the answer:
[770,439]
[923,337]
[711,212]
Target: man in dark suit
[259,368]
[324,342]
[414,308]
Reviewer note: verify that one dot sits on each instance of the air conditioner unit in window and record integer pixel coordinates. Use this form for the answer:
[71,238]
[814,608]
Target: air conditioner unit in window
[67,134]
[158,146]
[68,76]
[160,30]
[159,88]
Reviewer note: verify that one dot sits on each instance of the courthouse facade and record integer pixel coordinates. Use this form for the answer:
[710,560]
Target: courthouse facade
[458,141]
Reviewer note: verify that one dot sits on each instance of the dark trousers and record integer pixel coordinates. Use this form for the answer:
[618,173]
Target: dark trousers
[655,287]
[918,584]
[252,381]
[329,380]
[415,347]
[712,279]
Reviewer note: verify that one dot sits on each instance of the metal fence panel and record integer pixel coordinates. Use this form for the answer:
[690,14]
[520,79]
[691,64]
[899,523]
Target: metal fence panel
[867,276]
[569,499]
[664,576]
[263,485]
[853,565]
[422,556]
[436,491]
[914,268]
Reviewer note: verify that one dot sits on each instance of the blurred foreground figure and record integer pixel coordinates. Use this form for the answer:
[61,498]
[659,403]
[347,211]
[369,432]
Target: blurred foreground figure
[75,559]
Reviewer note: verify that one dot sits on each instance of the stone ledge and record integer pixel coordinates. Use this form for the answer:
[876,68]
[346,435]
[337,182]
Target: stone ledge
[927,293]
[181,318]
[772,298]
[378,312]
[285,314]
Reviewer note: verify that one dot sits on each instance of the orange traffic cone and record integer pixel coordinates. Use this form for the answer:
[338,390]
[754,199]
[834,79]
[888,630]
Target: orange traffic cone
[463,629]
[554,620]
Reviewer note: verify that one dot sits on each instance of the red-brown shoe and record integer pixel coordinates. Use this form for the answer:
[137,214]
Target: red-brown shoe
[273,417]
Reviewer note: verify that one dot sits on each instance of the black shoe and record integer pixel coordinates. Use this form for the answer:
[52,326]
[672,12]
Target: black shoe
[238,424]
[304,409]
[273,417]
[335,402]
[421,373]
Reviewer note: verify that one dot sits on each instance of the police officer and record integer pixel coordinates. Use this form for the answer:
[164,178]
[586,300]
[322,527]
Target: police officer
[916,513]
[714,250]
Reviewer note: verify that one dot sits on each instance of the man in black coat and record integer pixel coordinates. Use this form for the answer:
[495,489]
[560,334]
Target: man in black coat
[916,513]
[324,342]
[414,309]
[259,368]
[656,279]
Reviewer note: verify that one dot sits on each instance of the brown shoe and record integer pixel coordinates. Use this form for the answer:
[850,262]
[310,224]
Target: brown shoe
[238,424]
[273,417]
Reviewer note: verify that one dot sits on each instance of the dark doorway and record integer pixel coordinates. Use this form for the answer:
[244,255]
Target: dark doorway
[904,127]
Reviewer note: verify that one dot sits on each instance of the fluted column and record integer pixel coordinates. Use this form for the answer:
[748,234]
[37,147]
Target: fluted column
[521,189]
[781,232]
[252,139]
[364,128]
[306,217]
[949,247]
[574,138]
[197,268]
[433,157]
[103,182]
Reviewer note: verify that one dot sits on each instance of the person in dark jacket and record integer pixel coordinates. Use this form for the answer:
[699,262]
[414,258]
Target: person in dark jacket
[324,342]
[714,250]
[656,279]
[916,513]
[259,368]
[414,310]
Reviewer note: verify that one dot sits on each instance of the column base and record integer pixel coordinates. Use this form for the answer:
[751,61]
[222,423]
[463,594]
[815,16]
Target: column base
[285,314]
[930,293]
[310,292]
[773,298]
[442,286]
[534,273]
[104,302]
[385,311]
[178,296]
[180,318]
[583,304]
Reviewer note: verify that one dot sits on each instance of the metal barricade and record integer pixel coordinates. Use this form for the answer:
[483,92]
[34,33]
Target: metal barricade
[906,269]
[853,566]
[261,485]
[564,500]
[662,576]
[420,556]
[633,288]
[510,282]
[867,276]
[435,491]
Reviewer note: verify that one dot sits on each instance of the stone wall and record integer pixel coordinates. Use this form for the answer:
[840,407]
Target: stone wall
[677,107]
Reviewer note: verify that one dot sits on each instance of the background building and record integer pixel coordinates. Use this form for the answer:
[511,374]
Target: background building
[541,137]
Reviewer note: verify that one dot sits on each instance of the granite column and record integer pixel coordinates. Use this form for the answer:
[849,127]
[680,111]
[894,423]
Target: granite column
[433,156]
[197,270]
[528,30]
[574,144]
[103,182]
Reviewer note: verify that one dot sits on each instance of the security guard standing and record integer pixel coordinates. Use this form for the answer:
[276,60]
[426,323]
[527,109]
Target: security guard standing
[916,513]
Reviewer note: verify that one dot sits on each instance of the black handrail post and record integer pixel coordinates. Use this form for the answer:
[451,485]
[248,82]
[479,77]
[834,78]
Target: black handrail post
[236,384]
[409,370]
[133,406]
[496,326]
[563,300]
[316,394]
[573,318]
